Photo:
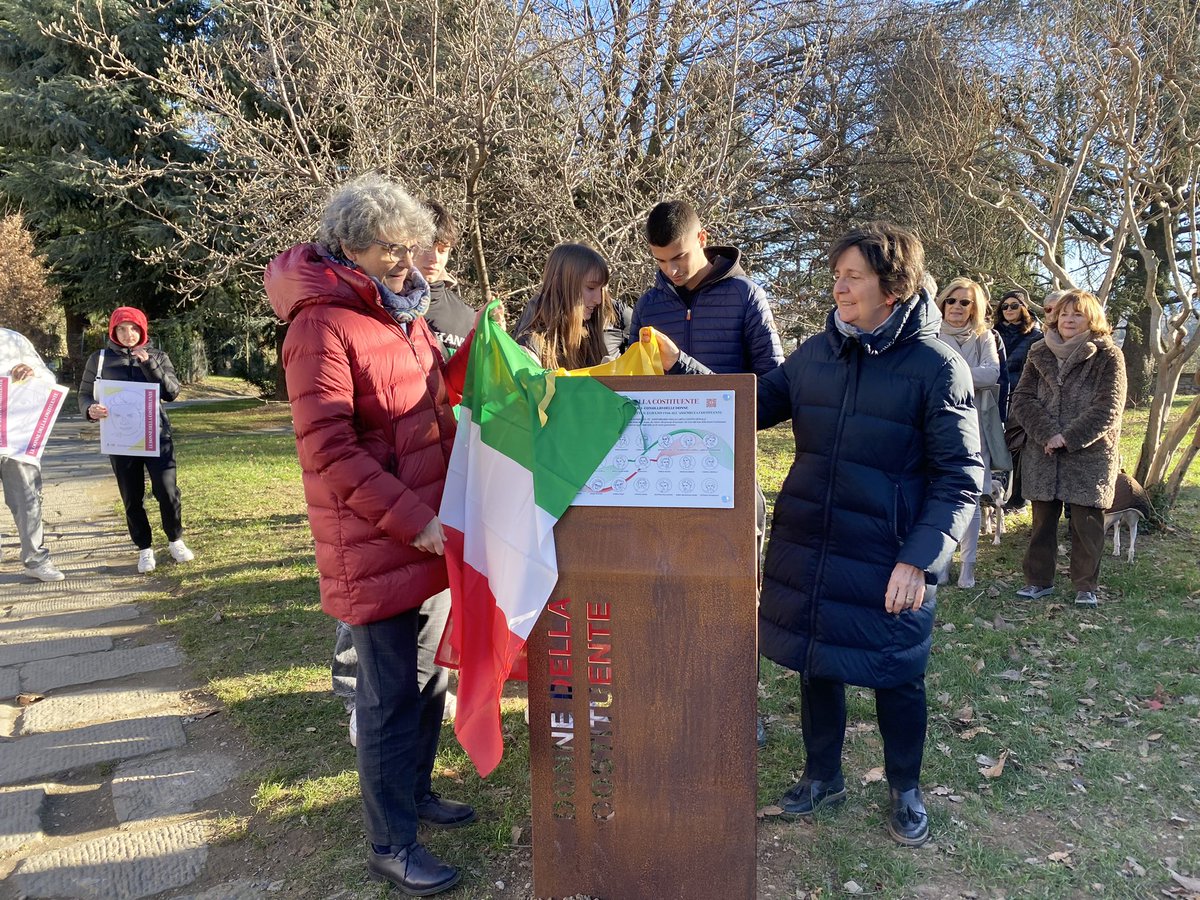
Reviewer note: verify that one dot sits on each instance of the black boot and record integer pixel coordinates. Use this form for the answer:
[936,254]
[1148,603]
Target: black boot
[413,869]
[909,823]
[437,812]
[809,795]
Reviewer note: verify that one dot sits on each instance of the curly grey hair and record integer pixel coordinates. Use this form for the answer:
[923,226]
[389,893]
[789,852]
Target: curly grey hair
[369,207]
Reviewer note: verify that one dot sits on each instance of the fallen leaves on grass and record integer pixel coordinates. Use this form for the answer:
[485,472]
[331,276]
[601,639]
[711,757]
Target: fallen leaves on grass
[974,732]
[1185,882]
[1062,856]
[1133,867]
[873,775]
[992,768]
[771,810]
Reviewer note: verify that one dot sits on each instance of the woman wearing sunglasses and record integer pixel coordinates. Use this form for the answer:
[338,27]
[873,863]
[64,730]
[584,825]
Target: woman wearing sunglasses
[965,329]
[1019,330]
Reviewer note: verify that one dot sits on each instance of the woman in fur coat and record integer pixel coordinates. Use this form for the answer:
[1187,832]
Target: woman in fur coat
[1069,401]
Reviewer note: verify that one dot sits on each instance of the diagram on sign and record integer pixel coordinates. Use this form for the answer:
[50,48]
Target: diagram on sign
[676,452]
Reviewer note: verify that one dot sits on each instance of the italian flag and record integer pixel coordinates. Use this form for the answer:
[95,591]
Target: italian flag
[526,443]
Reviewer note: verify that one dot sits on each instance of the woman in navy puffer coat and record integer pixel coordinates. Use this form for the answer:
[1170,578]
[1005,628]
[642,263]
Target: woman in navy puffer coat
[886,476]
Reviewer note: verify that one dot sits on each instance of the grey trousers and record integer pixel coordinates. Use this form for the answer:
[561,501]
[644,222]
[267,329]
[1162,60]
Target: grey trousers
[23,495]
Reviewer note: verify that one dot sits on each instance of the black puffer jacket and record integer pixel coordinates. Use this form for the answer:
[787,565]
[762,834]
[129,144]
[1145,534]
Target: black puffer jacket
[1016,346]
[119,365]
[725,324]
[887,470]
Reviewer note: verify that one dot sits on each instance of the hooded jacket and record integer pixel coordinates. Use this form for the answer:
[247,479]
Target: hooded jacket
[725,323]
[887,470]
[374,428]
[1081,398]
[119,365]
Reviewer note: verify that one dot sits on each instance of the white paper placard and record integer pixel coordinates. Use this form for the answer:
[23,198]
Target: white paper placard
[131,426]
[28,411]
[676,452]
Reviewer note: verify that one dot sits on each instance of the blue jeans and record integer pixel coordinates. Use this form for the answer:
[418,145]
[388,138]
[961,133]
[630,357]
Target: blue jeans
[399,699]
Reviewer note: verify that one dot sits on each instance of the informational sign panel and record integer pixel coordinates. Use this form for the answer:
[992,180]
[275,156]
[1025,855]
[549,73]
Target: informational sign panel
[131,426]
[677,451]
[643,690]
[28,411]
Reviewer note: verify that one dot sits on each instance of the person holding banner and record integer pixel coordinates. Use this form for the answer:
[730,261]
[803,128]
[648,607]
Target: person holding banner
[23,480]
[884,483]
[371,405]
[573,323]
[127,357]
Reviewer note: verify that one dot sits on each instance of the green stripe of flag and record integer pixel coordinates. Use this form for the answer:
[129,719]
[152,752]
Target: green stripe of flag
[503,389]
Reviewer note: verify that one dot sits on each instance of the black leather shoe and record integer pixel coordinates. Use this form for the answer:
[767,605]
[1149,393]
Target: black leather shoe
[909,823]
[437,812]
[809,795]
[414,870]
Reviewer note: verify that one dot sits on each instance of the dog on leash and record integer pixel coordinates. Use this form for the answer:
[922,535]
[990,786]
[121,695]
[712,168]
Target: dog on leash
[1130,505]
[991,507]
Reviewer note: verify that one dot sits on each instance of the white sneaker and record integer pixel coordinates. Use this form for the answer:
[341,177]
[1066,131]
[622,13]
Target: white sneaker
[46,572]
[180,551]
[354,728]
[146,561]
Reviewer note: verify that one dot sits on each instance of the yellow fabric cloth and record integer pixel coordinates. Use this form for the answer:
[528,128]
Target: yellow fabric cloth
[643,358]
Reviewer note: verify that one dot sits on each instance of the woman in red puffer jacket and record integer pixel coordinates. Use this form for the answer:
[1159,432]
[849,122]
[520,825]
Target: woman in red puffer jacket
[372,412]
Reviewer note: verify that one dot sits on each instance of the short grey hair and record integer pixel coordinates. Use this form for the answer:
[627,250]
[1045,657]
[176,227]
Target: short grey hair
[365,208]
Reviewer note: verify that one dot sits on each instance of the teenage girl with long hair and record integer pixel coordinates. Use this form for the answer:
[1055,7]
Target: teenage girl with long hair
[572,323]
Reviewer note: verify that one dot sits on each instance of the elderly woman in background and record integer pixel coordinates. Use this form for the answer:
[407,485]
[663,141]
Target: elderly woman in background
[1070,401]
[1049,305]
[884,481]
[1019,330]
[965,330]
[374,428]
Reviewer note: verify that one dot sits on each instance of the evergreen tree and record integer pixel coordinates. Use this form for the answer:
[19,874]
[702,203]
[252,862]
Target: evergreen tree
[67,133]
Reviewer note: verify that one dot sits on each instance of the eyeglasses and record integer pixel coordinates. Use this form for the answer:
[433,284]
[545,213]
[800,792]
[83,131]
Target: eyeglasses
[397,250]
[1010,306]
[958,301]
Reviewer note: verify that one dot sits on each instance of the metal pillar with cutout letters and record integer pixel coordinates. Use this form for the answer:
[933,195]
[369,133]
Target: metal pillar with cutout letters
[643,667]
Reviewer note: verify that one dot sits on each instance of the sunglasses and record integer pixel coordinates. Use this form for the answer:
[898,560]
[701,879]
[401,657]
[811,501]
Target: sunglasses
[955,301]
[1011,306]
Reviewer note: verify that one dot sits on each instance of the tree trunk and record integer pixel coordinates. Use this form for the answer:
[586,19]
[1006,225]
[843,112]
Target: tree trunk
[1139,363]
[281,392]
[1175,482]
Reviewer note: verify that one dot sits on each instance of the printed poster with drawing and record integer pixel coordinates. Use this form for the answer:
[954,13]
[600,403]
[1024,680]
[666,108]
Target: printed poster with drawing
[131,426]
[676,452]
[28,411]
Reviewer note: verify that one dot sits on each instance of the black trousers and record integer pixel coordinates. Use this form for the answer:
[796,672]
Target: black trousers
[902,723]
[131,472]
[399,700]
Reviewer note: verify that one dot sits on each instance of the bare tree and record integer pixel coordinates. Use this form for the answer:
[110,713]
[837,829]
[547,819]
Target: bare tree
[1093,153]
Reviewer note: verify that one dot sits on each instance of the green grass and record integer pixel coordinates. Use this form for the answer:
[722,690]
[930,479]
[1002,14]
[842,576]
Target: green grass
[1093,770]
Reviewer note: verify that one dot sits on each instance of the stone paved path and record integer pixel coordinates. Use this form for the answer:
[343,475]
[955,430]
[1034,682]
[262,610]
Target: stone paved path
[101,793]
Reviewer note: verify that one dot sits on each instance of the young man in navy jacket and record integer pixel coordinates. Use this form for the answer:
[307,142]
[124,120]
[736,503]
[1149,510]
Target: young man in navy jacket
[703,300]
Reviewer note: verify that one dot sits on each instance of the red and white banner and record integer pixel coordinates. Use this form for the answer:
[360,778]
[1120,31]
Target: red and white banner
[28,411]
[131,426]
